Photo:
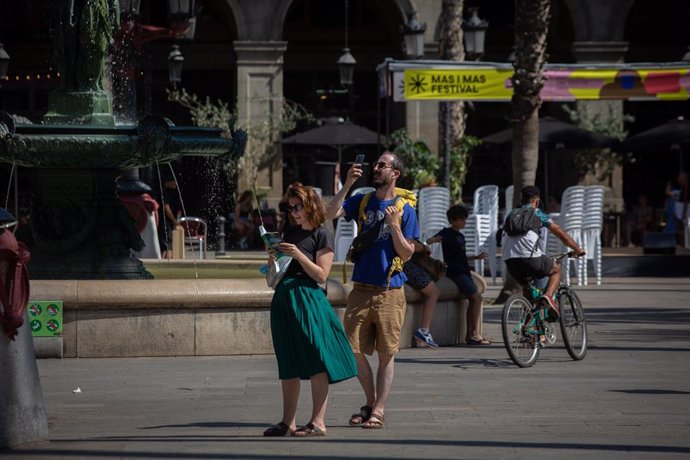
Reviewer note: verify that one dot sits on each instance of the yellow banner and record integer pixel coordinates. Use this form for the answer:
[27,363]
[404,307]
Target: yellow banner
[493,84]
[466,84]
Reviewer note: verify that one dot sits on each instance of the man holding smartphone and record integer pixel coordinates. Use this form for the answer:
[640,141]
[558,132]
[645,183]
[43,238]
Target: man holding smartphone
[376,305]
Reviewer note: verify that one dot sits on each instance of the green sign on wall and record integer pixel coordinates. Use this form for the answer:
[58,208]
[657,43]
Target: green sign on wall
[45,318]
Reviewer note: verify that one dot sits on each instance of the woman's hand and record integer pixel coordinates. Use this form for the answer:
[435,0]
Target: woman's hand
[289,249]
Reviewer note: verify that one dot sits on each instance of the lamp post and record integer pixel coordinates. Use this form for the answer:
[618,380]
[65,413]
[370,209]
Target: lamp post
[346,62]
[413,32]
[474,30]
[175,63]
[4,61]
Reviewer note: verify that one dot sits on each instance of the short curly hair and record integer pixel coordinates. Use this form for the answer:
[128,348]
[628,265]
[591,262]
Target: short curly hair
[310,200]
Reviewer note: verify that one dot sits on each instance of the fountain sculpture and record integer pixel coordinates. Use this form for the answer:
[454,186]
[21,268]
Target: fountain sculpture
[78,228]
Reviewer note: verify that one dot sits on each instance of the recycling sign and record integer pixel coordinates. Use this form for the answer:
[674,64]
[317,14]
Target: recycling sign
[45,318]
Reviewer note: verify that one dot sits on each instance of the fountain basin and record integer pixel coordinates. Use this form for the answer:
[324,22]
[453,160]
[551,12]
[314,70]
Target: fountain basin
[203,317]
[154,139]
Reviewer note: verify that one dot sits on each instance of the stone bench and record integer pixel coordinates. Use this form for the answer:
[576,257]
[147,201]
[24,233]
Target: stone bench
[200,317]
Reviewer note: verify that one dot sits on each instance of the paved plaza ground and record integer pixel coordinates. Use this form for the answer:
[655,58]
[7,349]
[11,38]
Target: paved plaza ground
[629,398]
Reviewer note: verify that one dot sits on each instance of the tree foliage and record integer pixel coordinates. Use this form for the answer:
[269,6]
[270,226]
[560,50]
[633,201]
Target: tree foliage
[262,132]
[600,162]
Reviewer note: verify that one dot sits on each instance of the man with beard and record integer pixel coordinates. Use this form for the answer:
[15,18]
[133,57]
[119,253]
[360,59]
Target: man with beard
[376,305]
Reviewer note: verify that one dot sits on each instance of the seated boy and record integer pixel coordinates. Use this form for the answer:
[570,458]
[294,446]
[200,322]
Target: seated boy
[455,256]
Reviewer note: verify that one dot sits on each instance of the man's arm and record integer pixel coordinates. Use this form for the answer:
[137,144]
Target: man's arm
[334,209]
[403,247]
[566,239]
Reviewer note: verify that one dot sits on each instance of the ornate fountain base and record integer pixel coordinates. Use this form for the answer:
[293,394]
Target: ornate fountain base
[79,229]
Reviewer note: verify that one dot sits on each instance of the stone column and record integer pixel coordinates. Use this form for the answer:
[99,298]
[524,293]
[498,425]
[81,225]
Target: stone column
[587,52]
[22,410]
[259,95]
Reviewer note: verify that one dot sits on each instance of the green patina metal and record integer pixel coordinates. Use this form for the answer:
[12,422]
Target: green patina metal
[78,228]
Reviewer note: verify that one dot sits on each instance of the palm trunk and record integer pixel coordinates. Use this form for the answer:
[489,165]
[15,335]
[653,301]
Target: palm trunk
[451,48]
[531,31]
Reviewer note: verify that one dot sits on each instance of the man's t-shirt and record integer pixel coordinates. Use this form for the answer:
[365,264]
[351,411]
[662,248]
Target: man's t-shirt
[454,252]
[374,264]
[525,246]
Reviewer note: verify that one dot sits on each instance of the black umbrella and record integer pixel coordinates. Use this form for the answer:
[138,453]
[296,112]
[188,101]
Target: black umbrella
[674,134]
[555,134]
[337,134]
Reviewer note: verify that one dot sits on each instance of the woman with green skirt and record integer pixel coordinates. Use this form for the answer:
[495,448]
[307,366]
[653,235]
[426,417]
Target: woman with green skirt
[308,337]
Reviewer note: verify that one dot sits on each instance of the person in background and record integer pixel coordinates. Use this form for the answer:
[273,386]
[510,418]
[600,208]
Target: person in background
[308,337]
[677,206]
[641,220]
[244,220]
[455,255]
[421,280]
[172,211]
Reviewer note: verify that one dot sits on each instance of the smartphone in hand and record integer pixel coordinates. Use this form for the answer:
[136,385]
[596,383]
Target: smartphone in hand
[359,159]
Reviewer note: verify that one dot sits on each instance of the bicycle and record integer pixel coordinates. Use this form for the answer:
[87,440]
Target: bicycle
[526,330]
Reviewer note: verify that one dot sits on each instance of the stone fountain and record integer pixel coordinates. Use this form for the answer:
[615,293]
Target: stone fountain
[78,229]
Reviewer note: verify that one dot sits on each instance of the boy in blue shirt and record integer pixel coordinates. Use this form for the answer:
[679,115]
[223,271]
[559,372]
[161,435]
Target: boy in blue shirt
[458,271]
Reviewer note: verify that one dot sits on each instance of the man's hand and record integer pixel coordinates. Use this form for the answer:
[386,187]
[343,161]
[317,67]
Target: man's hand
[354,173]
[578,252]
[393,216]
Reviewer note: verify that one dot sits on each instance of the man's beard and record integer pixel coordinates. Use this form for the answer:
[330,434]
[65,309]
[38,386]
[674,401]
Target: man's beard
[381,182]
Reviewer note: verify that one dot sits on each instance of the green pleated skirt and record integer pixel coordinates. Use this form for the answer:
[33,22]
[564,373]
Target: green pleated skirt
[308,337]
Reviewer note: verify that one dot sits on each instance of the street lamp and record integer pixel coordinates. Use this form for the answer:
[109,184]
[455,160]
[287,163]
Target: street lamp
[4,61]
[346,62]
[413,32]
[175,62]
[474,30]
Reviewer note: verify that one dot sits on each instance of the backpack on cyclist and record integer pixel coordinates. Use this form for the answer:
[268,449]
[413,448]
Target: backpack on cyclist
[522,220]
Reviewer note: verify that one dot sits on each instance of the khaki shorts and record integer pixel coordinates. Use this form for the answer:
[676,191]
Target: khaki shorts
[373,318]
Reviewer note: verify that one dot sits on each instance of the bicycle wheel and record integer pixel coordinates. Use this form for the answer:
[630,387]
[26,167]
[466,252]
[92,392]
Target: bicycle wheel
[523,347]
[573,324]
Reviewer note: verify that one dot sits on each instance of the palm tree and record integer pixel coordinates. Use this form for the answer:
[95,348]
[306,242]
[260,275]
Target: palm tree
[451,48]
[531,30]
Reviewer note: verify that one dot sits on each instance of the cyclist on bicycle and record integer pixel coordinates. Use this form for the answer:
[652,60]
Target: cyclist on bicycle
[521,252]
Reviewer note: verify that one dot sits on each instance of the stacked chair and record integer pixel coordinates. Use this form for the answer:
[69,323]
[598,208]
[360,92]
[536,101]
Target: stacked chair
[432,204]
[592,225]
[486,205]
[345,232]
[571,220]
[476,230]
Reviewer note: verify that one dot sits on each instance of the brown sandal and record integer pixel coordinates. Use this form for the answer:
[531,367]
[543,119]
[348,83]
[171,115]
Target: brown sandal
[375,422]
[279,429]
[308,430]
[361,416]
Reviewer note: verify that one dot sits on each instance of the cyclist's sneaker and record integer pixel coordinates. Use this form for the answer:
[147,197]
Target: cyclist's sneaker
[425,338]
[551,308]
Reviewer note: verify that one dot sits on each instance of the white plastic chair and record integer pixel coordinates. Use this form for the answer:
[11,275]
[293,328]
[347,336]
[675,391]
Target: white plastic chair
[571,221]
[432,205]
[592,225]
[476,233]
[362,190]
[486,203]
[195,232]
[345,232]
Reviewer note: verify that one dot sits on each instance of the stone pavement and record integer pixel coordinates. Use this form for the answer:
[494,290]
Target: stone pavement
[629,398]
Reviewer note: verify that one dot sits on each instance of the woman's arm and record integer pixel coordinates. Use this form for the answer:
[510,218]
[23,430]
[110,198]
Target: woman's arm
[318,271]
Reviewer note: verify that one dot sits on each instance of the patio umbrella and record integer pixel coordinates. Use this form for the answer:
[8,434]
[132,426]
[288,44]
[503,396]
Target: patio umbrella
[673,135]
[337,134]
[555,134]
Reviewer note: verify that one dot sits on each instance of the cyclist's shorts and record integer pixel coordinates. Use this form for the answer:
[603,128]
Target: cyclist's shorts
[525,268]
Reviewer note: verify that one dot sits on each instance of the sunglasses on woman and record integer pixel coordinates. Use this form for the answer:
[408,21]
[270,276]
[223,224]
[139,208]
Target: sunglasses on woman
[296,208]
